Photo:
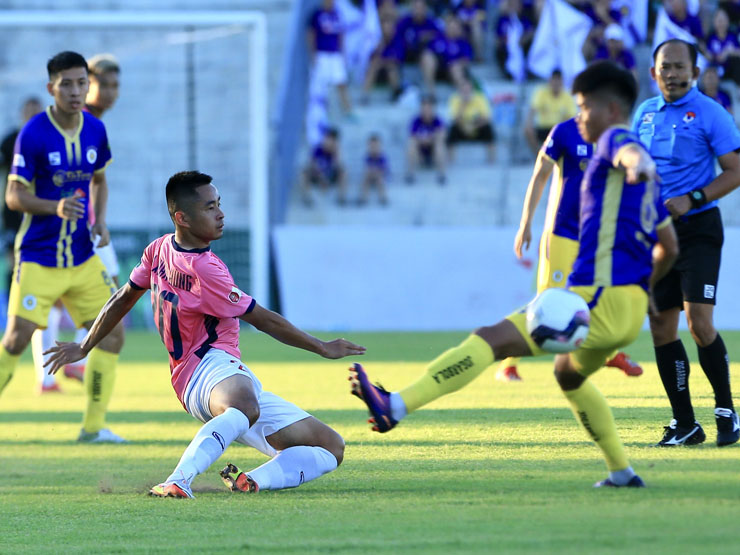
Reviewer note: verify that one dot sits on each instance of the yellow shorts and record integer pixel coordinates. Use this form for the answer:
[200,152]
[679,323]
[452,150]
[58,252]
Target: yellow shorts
[617,315]
[557,255]
[83,289]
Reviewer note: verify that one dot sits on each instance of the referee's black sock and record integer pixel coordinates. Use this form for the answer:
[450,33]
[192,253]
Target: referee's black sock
[673,366]
[716,365]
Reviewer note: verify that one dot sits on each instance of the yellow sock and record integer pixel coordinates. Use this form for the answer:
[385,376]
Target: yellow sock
[510,361]
[100,375]
[8,363]
[449,372]
[594,414]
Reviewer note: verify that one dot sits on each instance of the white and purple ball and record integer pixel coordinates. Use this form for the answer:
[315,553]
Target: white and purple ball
[557,320]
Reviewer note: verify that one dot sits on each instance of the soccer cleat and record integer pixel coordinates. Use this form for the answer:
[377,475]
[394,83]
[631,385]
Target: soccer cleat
[508,374]
[75,371]
[728,426]
[377,399]
[171,489]
[635,482]
[101,436]
[53,388]
[677,435]
[625,364]
[236,480]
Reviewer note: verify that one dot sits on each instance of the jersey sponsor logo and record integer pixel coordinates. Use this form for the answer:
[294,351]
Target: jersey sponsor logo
[29,302]
[582,150]
[91,155]
[689,117]
[61,177]
[55,158]
[708,291]
[19,161]
[235,295]
[648,117]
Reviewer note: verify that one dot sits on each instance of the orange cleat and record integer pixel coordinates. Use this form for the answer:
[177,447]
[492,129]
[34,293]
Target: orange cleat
[44,389]
[74,371]
[236,480]
[625,364]
[508,374]
[171,489]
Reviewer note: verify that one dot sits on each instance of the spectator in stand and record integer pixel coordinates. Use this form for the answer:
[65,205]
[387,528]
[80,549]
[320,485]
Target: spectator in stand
[388,11]
[710,86]
[678,13]
[470,114]
[325,48]
[549,106]
[512,19]
[415,32]
[452,55]
[613,49]
[426,142]
[376,171]
[602,15]
[385,62]
[732,8]
[325,169]
[723,47]
[472,15]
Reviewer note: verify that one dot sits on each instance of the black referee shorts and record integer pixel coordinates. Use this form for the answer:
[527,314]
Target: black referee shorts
[694,276]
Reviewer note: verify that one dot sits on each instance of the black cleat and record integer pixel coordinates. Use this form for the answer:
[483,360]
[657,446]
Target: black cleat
[728,426]
[677,435]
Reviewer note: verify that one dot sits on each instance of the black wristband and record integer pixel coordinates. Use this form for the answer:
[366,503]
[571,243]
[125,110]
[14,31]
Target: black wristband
[698,198]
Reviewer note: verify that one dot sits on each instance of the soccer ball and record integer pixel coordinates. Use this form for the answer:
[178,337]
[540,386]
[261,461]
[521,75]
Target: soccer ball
[557,320]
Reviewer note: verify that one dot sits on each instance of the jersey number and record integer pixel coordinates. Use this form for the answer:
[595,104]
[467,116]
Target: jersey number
[160,301]
[648,212]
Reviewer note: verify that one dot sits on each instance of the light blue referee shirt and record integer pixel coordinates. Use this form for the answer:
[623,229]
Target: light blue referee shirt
[684,138]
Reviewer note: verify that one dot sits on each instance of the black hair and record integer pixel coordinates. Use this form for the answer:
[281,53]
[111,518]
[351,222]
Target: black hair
[373,137]
[606,77]
[556,73]
[693,53]
[65,60]
[332,132]
[180,190]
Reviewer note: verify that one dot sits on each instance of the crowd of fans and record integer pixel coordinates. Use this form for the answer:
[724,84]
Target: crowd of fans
[428,41]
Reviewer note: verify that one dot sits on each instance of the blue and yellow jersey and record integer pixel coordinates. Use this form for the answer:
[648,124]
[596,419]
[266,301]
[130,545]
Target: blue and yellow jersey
[55,165]
[570,153]
[618,221]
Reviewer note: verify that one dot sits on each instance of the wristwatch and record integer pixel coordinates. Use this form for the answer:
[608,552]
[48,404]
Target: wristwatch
[698,198]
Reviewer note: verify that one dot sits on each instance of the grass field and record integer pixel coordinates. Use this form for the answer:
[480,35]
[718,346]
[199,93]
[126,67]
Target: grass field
[493,468]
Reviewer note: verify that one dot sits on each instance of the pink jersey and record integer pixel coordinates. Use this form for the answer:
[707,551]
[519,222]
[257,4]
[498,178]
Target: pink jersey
[195,304]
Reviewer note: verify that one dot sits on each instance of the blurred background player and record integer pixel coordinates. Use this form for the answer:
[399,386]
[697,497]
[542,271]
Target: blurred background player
[103,73]
[621,219]
[376,171]
[550,105]
[567,154]
[426,142]
[57,176]
[324,169]
[198,305]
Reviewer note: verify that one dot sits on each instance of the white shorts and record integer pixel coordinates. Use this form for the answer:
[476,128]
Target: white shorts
[329,69]
[108,255]
[275,413]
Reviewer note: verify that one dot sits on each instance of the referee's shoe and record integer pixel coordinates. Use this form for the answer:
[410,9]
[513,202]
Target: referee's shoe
[678,435]
[728,426]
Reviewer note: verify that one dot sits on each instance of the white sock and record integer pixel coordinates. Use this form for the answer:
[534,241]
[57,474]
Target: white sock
[398,407]
[79,336]
[41,341]
[209,444]
[293,466]
[622,477]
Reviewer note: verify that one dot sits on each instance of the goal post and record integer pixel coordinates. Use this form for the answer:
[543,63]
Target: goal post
[257,91]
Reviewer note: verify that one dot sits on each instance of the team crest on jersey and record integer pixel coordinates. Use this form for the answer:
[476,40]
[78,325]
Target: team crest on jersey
[582,150]
[55,158]
[19,161]
[689,117]
[29,302]
[91,155]
[235,295]
[583,164]
[648,117]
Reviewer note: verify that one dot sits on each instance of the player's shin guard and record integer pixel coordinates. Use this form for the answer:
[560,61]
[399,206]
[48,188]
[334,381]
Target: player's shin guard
[209,444]
[594,414]
[293,466]
[8,363]
[450,371]
[99,380]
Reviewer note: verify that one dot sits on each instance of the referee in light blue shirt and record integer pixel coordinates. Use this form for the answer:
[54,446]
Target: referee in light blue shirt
[685,131]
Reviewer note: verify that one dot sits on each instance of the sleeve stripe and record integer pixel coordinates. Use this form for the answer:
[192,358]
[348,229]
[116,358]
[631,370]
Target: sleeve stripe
[104,167]
[251,306]
[547,156]
[134,286]
[664,223]
[16,177]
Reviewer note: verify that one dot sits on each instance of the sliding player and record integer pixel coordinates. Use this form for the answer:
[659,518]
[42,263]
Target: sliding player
[566,152]
[627,242]
[197,307]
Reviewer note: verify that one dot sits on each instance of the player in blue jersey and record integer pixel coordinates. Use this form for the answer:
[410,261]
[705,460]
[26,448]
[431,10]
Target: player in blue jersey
[627,242]
[687,133]
[57,177]
[567,154]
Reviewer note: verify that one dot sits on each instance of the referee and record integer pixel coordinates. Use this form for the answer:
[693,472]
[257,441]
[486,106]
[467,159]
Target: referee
[685,131]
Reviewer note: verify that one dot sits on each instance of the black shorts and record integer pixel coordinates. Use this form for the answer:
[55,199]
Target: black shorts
[542,133]
[482,134]
[694,276]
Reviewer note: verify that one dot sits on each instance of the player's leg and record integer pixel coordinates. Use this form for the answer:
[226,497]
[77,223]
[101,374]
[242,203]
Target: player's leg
[449,372]
[42,341]
[15,340]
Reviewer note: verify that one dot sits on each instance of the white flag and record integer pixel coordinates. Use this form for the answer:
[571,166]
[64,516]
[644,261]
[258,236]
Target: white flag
[361,34]
[515,63]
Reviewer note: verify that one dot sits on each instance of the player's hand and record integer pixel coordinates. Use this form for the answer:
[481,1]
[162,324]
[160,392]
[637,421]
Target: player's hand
[522,241]
[678,206]
[62,354]
[340,348]
[70,208]
[100,230]
[646,170]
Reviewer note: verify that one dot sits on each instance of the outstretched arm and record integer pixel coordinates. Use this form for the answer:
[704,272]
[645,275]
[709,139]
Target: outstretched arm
[274,325]
[116,308]
[542,170]
[637,164]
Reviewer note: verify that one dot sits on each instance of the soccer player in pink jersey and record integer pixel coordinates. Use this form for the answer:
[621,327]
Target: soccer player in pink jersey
[196,310]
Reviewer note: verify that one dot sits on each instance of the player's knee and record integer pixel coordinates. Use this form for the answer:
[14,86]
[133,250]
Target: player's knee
[335,446]
[568,377]
[702,331]
[250,409]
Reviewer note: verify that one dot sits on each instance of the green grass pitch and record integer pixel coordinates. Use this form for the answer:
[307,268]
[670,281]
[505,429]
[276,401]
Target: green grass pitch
[497,467]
